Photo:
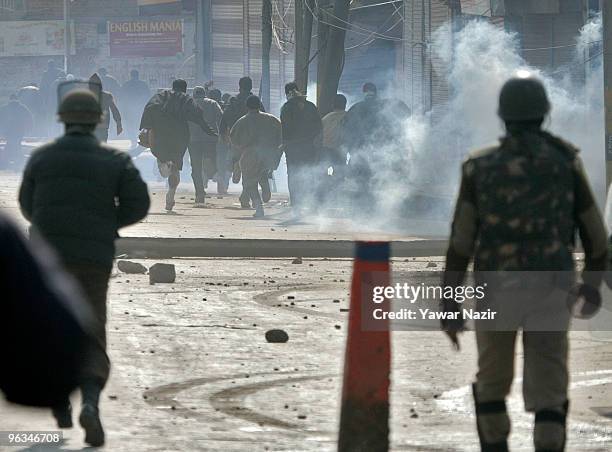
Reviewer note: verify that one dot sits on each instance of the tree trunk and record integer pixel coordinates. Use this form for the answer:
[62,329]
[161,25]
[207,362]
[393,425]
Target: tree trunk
[303,36]
[322,40]
[334,56]
[266,45]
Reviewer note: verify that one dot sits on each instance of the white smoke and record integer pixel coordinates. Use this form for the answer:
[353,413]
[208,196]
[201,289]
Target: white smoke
[479,60]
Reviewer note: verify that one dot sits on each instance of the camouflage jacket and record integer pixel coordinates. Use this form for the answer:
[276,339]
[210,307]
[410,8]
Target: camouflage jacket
[519,207]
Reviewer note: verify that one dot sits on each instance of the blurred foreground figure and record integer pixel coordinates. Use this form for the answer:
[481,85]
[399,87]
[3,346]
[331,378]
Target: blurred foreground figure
[256,138]
[77,193]
[202,146]
[166,117]
[15,121]
[44,323]
[520,205]
[302,129]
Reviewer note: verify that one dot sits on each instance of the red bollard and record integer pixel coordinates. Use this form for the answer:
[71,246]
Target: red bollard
[364,419]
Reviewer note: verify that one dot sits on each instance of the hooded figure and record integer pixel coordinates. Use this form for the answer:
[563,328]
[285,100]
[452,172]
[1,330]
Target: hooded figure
[108,106]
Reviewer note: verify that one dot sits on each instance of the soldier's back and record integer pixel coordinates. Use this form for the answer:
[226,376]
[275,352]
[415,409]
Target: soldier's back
[524,195]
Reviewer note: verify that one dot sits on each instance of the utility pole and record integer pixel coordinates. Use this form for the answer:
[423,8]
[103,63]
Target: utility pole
[203,46]
[66,36]
[266,45]
[334,56]
[322,40]
[606,10]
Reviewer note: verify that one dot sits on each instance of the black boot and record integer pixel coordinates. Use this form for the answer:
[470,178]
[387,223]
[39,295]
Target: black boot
[484,410]
[63,414]
[90,414]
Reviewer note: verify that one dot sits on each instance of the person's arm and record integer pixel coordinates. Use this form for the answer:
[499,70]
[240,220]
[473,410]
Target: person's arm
[116,115]
[133,195]
[590,228]
[462,241]
[195,114]
[286,132]
[26,191]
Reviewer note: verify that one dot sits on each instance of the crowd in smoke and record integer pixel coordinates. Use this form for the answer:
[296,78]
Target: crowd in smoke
[413,159]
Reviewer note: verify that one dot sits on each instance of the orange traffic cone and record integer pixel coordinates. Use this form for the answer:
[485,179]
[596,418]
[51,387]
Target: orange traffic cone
[364,419]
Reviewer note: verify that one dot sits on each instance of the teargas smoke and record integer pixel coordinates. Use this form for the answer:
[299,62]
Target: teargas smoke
[415,167]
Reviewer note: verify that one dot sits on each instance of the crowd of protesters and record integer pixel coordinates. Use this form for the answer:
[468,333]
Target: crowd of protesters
[324,154]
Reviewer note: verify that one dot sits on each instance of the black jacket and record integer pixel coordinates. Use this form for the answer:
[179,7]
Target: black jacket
[168,114]
[77,193]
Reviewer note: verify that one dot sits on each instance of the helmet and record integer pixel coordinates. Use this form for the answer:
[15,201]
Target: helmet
[523,98]
[80,107]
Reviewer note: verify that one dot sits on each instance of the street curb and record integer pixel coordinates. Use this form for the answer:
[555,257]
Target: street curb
[146,247]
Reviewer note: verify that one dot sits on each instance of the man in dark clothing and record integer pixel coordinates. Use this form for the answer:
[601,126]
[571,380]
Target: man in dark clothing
[167,115]
[302,134]
[135,94]
[48,94]
[233,112]
[77,193]
[371,133]
[108,107]
[15,121]
[203,147]
[520,206]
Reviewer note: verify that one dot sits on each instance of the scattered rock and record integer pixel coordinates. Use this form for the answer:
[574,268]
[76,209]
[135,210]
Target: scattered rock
[112,397]
[336,301]
[431,265]
[131,267]
[337,327]
[344,310]
[301,416]
[162,273]
[414,416]
[277,336]
[297,260]
[290,297]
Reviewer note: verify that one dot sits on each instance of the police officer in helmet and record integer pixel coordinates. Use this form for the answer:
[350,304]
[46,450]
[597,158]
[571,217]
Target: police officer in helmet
[77,193]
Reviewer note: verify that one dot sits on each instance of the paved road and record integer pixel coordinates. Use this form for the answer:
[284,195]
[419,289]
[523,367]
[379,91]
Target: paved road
[192,370]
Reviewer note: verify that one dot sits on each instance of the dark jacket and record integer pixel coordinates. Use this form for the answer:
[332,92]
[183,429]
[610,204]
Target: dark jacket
[77,193]
[43,324]
[520,206]
[372,124]
[168,114]
[301,129]
[233,112]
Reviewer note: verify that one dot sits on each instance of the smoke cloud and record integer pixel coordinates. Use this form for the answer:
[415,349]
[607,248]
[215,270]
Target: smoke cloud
[418,197]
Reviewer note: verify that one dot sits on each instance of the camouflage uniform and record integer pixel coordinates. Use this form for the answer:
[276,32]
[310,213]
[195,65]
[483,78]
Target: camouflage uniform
[519,206]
